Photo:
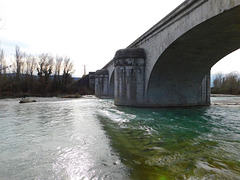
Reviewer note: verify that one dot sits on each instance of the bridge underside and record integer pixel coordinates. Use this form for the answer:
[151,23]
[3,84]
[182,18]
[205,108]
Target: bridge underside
[179,75]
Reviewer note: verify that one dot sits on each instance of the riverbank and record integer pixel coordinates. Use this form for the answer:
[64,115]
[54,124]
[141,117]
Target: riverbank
[224,95]
[225,100]
[20,95]
[216,99]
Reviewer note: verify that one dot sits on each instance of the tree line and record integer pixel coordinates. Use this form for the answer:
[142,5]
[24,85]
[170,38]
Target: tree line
[226,84]
[41,74]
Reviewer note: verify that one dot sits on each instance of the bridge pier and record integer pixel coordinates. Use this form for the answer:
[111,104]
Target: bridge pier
[101,83]
[174,93]
[129,81]
[92,80]
[206,90]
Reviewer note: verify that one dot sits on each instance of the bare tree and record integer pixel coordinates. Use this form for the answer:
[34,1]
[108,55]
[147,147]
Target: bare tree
[58,66]
[67,66]
[23,64]
[30,64]
[231,83]
[2,62]
[218,81]
[57,70]
[45,67]
[33,64]
[30,67]
[18,56]
[67,71]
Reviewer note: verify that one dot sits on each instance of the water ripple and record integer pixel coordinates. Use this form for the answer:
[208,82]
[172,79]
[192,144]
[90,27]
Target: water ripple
[55,139]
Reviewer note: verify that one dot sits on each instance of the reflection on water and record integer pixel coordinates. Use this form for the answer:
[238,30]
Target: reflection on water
[54,139]
[93,139]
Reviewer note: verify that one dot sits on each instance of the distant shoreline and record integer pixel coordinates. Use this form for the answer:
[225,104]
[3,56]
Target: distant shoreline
[224,95]
[41,95]
[217,102]
[225,100]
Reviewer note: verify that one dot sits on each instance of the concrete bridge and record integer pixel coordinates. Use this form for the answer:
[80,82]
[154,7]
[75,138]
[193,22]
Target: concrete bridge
[170,64]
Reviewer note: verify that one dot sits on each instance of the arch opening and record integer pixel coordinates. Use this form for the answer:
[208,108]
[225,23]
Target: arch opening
[227,64]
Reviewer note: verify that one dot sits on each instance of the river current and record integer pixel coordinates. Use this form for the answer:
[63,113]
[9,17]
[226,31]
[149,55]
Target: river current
[89,138]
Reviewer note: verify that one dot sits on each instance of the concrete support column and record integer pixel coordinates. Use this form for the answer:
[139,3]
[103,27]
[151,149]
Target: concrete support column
[101,83]
[178,91]
[205,90]
[129,81]
[92,80]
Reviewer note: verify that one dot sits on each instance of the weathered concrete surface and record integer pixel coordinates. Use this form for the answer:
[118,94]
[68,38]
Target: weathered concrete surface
[92,80]
[101,83]
[182,48]
[129,77]
[110,68]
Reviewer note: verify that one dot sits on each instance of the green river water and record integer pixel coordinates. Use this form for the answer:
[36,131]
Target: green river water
[89,138]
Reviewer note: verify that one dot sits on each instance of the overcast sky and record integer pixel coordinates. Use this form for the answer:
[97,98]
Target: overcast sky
[88,31]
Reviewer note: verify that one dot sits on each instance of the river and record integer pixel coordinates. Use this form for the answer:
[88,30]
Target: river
[89,138]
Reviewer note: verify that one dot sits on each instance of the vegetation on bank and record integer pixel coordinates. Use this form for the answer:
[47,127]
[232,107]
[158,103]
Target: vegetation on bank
[42,75]
[226,84]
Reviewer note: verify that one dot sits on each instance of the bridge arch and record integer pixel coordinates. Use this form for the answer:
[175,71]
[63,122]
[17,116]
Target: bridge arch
[178,74]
